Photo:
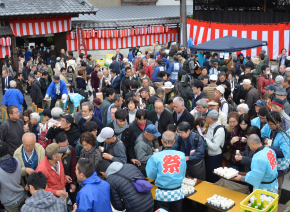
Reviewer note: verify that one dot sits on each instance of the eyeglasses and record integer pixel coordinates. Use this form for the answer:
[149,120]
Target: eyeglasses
[17,112]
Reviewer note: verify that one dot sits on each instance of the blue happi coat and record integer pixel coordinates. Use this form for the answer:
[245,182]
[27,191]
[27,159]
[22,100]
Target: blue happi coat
[173,70]
[263,169]
[280,144]
[168,169]
[256,122]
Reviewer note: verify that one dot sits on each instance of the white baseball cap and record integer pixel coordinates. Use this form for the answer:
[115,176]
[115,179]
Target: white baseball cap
[220,89]
[106,133]
[213,77]
[246,82]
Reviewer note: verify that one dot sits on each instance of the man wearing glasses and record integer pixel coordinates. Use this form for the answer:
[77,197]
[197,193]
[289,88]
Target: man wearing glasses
[30,154]
[12,130]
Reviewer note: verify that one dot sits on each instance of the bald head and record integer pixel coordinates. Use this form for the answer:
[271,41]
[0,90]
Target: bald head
[29,140]
[168,138]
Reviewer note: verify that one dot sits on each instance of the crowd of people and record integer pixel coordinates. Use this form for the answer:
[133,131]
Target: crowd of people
[165,114]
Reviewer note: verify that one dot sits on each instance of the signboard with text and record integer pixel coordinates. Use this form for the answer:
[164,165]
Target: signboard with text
[82,47]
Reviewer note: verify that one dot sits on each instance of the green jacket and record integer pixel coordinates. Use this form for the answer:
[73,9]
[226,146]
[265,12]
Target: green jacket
[259,68]
[49,71]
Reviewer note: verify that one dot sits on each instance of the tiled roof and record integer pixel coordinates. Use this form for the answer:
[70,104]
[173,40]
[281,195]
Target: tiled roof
[131,16]
[39,7]
[5,30]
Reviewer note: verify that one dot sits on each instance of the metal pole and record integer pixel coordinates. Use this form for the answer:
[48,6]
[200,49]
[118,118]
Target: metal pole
[184,22]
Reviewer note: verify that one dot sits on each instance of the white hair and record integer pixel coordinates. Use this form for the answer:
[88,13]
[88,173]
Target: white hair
[12,83]
[179,100]
[244,106]
[202,102]
[100,73]
[56,112]
[35,116]
[30,134]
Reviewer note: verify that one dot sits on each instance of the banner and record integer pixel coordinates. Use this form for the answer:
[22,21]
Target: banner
[277,35]
[82,48]
[124,42]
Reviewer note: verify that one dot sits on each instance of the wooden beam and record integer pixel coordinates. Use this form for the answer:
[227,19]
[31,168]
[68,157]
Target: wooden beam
[265,6]
[14,58]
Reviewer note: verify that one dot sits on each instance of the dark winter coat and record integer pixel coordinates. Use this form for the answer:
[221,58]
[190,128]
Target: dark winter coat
[73,134]
[123,194]
[43,86]
[137,129]
[186,93]
[165,119]
[200,96]
[36,94]
[128,138]
[186,116]
[251,98]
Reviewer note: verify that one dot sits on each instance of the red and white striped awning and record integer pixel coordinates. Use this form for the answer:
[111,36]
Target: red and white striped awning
[40,26]
[4,50]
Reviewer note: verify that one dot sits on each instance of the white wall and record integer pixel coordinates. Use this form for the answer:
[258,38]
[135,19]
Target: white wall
[101,54]
[172,2]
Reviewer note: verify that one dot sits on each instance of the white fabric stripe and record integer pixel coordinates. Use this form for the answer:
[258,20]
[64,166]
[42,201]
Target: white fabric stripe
[59,26]
[286,40]
[172,37]
[208,34]
[48,27]
[24,28]
[188,31]
[156,38]
[129,41]
[69,25]
[108,43]
[9,51]
[168,37]
[254,50]
[234,33]
[96,43]
[164,38]
[148,40]
[244,35]
[217,33]
[225,32]
[11,27]
[18,29]
[114,43]
[143,40]
[194,34]
[73,45]
[139,41]
[65,25]
[90,44]
[201,31]
[67,46]
[42,28]
[54,27]
[124,42]
[134,41]
[30,28]
[176,37]
[160,39]
[275,44]
[265,38]
[3,52]
[102,43]
[36,28]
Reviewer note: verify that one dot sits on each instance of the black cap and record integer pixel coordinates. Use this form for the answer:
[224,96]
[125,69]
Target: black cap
[3,149]
[46,112]
[68,117]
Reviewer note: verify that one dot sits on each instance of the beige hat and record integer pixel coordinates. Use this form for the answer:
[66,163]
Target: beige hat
[54,148]
[213,103]
[246,82]
[220,89]
[139,54]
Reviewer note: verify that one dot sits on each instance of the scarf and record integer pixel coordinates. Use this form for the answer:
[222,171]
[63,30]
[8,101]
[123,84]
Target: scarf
[8,164]
[87,153]
[118,130]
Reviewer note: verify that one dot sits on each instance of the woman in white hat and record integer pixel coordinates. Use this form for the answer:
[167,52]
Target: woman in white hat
[168,90]
[215,104]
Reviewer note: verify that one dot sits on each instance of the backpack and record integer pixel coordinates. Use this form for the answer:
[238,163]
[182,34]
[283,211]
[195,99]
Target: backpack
[231,108]
[227,138]
[163,64]
[177,92]
[42,140]
[186,66]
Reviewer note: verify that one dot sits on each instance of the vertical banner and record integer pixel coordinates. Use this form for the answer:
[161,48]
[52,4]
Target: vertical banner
[82,48]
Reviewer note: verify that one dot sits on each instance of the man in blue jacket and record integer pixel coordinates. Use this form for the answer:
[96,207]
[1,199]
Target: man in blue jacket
[261,120]
[13,96]
[56,89]
[95,193]
[158,68]
[168,169]
[192,144]
[115,81]
[174,68]
[163,57]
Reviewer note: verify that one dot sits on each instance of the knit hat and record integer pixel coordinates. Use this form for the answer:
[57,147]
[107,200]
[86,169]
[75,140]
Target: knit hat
[281,91]
[213,114]
[279,79]
[278,102]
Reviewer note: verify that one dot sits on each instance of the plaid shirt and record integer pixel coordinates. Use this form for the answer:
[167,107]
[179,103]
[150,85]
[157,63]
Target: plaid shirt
[239,145]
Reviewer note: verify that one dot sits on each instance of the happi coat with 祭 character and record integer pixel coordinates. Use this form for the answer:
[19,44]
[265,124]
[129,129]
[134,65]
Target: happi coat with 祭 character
[263,174]
[168,169]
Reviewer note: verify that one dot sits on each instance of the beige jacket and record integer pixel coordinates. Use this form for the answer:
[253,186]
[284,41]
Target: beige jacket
[209,90]
[18,154]
[65,80]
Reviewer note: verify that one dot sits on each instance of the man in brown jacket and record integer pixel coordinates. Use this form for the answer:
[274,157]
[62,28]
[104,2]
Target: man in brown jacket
[209,90]
[18,80]
[251,97]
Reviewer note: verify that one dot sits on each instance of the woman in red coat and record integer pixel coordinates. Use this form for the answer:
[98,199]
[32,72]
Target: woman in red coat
[264,80]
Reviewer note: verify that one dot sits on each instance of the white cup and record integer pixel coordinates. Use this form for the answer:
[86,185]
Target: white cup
[102,148]
[237,151]
[156,150]
[270,142]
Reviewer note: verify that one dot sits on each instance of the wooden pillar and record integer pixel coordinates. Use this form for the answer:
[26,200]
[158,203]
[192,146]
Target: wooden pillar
[193,9]
[14,57]
[265,6]
[183,15]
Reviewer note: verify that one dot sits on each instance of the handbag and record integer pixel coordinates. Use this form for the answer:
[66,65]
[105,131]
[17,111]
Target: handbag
[141,184]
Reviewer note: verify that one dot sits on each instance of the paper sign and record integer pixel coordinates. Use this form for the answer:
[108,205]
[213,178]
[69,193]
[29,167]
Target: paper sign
[227,55]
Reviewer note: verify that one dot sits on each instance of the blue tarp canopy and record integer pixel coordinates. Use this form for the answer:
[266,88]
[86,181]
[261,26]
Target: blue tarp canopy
[228,44]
